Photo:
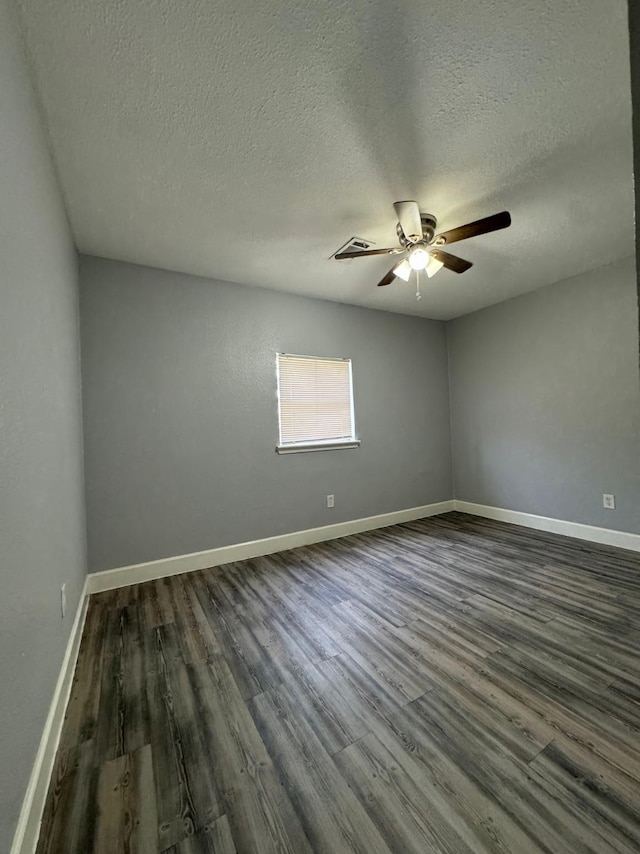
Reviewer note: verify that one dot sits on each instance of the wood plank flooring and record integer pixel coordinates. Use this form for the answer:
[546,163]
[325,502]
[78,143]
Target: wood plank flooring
[450,685]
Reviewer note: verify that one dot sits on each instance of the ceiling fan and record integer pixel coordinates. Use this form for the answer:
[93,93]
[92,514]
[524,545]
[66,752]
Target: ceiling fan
[417,236]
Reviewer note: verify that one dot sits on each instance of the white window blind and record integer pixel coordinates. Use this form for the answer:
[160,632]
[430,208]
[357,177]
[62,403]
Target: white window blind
[315,400]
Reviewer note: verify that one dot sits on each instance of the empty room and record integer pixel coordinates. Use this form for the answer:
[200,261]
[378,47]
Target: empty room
[319,427]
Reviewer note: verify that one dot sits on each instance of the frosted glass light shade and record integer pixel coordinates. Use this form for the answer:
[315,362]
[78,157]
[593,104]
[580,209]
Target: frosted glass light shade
[403,270]
[433,266]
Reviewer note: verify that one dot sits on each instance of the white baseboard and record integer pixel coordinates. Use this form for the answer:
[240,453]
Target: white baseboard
[28,829]
[110,579]
[605,536]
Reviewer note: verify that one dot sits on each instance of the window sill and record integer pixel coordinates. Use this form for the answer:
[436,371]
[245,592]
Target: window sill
[305,447]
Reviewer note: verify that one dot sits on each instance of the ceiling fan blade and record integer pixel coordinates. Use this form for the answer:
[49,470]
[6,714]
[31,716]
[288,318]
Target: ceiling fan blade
[473,229]
[408,214]
[451,262]
[391,275]
[364,252]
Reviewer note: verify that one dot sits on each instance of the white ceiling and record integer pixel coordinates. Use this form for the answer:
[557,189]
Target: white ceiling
[248,141]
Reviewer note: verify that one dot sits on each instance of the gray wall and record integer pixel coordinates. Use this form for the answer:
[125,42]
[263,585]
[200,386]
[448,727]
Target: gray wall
[545,401]
[41,494]
[181,420]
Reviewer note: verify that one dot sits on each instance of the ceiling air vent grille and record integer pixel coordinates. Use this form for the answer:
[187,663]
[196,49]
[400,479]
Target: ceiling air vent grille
[355,244]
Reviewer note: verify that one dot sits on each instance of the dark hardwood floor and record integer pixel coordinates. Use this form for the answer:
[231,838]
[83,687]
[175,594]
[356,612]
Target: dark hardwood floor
[448,685]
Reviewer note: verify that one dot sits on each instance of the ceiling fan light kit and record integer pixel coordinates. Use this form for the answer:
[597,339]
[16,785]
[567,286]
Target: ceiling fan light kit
[417,236]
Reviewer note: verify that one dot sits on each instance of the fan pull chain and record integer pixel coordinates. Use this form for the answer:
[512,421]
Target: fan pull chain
[418,297]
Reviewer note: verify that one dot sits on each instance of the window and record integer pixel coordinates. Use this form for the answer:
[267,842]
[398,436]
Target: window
[315,404]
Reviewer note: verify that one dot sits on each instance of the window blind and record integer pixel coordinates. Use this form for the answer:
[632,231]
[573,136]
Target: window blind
[315,399]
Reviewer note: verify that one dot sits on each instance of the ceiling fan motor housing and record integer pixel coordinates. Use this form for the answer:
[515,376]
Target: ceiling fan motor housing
[429,224]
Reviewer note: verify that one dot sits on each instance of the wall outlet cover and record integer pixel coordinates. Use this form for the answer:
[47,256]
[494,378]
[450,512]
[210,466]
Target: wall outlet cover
[330,501]
[608,501]
[63,600]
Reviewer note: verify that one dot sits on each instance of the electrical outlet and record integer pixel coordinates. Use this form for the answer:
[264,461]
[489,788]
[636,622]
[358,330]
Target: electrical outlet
[63,600]
[608,501]
[330,501]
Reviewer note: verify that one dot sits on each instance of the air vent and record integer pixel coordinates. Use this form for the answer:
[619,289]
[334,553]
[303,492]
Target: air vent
[356,244]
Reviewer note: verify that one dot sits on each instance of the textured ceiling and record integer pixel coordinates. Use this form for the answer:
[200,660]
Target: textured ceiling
[249,141]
